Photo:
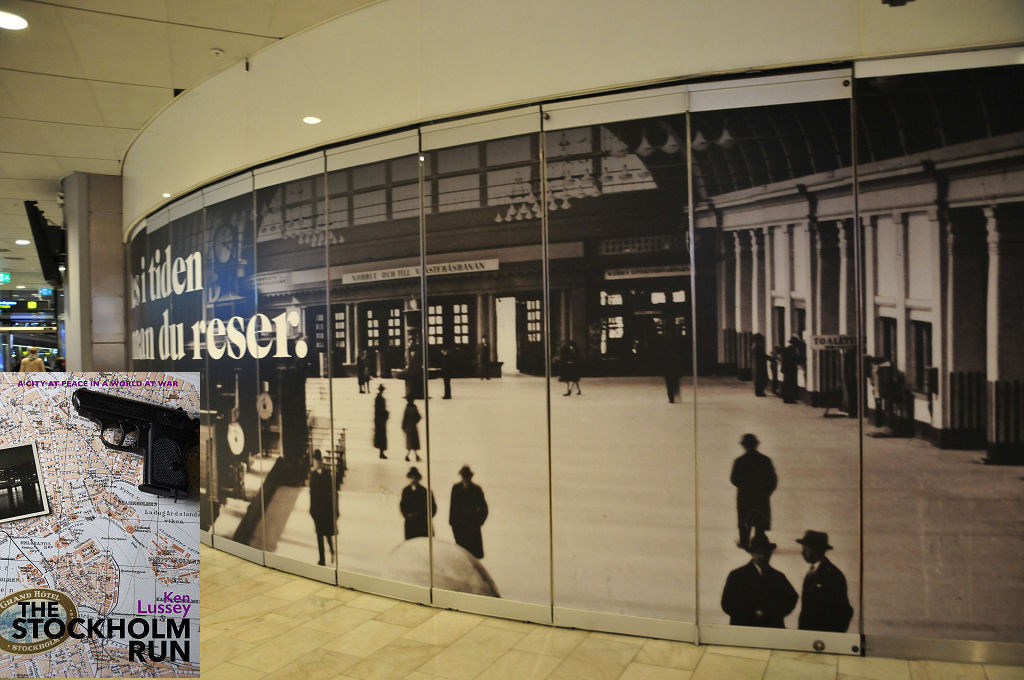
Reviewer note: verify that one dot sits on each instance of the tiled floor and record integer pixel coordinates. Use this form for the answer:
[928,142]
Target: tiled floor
[262,623]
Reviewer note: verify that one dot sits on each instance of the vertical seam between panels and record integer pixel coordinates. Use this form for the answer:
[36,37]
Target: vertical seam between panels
[546,288]
[691,234]
[426,375]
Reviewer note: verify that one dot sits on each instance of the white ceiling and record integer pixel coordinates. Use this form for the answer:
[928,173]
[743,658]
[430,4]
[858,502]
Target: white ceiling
[79,82]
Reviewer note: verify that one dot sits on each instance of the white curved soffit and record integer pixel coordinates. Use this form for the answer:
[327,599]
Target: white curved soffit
[400,62]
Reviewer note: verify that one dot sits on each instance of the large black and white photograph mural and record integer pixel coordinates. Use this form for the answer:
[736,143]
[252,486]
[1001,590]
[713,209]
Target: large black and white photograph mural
[752,366]
[941,178]
[622,441]
[777,421]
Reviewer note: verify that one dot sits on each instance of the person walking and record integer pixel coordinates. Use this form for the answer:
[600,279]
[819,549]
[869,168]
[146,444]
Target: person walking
[380,422]
[447,370]
[483,359]
[467,513]
[824,602]
[363,372]
[754,477]
[671,364]
[410,425]
[321,506]
[569,367]
[32,363]
[755,594]
[759,364]
[414,506]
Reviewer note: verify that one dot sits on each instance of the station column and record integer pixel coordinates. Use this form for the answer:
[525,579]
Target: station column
[1005,361]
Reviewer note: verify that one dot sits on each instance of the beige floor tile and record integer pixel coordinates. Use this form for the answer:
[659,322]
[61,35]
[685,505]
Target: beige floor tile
[1004,672]
[472,653]
[365,639]
[444,628]
[278,653]
[229,671]
[624,639]
[394,661]
[744,652]
[643,671]
[338,593]
[520,665]
[374,603]
[262,628]
[415,675]
[596,658]
[941,670]
[308,608]
[809,657]
[340,620]
[295,590]
[319,664]
[221,650]
[791,669]
[721,667]
[553,641]
[668,653]
[239,614]
[873,668]
[406,614]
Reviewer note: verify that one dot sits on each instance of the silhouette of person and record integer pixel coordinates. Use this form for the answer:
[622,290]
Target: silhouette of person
[414,506]
[483,359]
[759,364]
[410,425]
[447,370]
[755,594]
[754,477]
[380,422]
[467,513]
[824,603]
[569,367]
[321,506]
[671,362]
[363,371]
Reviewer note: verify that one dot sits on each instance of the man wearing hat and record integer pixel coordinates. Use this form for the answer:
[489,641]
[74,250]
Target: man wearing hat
[414,506]
[755,594]
[824,604]
[753,475]
[467,513]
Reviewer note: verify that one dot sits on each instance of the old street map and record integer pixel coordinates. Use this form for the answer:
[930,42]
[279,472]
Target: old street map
[105,543]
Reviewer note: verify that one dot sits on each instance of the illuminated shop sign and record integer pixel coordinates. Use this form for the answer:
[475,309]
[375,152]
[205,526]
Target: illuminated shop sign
[441,268]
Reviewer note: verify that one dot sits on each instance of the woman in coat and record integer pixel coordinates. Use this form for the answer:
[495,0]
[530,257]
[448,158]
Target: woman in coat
[569,367]
[380,422]
[410,425]
[414,506]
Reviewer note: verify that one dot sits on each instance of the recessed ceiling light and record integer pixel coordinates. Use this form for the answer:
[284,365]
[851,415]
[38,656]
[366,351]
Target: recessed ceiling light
[12,22]
[310,120]
[21,286]
[23,242]
[165,195]
[61,268]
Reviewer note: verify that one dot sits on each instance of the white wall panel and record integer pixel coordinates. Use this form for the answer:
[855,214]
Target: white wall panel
[400,62]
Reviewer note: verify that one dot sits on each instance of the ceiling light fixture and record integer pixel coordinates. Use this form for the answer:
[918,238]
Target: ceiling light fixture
[12,22]
[23,242]
[21,286]
[311,120]
[165,195]
[61,268]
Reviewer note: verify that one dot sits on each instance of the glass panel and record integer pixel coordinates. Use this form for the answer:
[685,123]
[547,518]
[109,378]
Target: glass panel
[486,358]
[777,359]
[623,543]
[232,369]
[942,259]
[375,303]
[298,456]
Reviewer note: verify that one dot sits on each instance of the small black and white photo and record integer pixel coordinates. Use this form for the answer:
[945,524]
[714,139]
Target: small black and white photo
[22,493]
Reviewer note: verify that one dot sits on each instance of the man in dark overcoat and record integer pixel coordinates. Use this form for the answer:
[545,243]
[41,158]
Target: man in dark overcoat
[759,364]
[753,475]
[447,370]
[755,594]
[380,422]
[414,506]
[321,506]
[467,513]
[824,603]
